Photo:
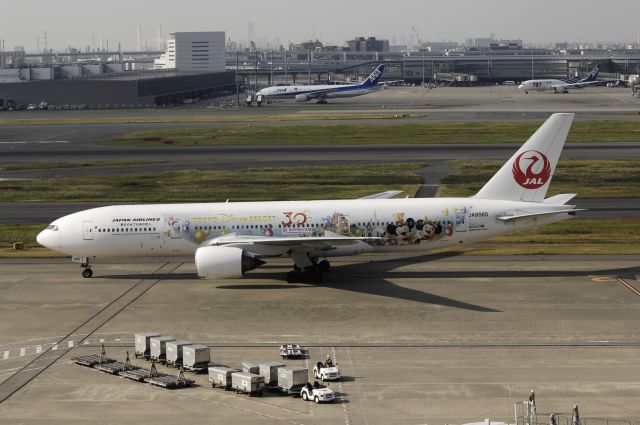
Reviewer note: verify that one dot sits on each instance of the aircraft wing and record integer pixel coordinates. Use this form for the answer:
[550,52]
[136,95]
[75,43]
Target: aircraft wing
[271,245]
[518,215]
[383,195]
[583,84]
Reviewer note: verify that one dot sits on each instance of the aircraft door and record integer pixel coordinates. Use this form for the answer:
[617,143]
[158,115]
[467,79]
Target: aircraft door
[87,230]
[461,223]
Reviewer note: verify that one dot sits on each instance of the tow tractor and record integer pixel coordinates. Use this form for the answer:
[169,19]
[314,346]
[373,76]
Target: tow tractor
[326,372]
[317,392]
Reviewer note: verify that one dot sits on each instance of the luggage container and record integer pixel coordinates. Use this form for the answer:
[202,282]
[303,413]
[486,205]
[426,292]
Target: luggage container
[270,372]
[249,367]
[159,347]
[143,343]
[220,376]
[291,379]
[175,352]
[248,383]
[196,357]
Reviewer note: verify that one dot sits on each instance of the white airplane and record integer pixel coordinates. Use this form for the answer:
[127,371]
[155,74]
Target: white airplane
[324,92]
[563,86]
[228,239]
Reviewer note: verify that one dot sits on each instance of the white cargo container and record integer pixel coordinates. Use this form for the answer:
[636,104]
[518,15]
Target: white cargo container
[174,352]
[249,383]
[270,372]
[143,343]
[195,356]
[159,347]
[220,376]
[250,367]
[291,379]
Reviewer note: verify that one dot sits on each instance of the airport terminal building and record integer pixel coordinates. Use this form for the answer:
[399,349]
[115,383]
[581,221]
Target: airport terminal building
[134,89]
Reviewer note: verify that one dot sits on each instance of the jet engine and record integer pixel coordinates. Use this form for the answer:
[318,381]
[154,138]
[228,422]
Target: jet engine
[302,98]
[223,262]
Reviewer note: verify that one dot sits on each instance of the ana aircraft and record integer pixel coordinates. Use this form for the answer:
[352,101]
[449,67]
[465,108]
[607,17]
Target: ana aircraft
[324,92]
[563,86]
[229,239]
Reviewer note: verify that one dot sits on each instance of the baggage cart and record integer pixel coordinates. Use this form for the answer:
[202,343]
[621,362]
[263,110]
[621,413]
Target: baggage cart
[220,376]
[159,347]
[196,358]
[143,344]
[293,351]
[248,383]
[291,379]
[250,367]
[270,372]
[175,352]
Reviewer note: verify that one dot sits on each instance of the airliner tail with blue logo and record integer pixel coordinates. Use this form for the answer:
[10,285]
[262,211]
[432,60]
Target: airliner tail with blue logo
[563,86]
[323,92]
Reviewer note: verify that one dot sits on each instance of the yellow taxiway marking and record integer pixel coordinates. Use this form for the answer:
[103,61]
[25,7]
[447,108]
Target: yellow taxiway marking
[603,278]
[631,288]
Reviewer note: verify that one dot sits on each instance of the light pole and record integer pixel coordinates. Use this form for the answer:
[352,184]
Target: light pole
[237,79]
[423,68]
[309,69]
[271,76]
[286,69]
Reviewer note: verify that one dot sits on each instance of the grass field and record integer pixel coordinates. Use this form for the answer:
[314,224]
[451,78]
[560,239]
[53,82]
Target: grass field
[71,164]
[211,117]
[296,183]
[587,178]
[578,237]
[359,134]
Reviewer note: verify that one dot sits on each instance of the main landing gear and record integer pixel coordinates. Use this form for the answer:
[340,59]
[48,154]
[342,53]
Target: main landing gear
[310,274]
[86,269]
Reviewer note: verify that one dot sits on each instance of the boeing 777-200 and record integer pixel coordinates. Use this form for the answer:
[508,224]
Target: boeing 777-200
[228,239]
[324,92]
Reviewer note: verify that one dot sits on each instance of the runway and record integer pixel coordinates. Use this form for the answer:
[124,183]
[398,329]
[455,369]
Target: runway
[433,339]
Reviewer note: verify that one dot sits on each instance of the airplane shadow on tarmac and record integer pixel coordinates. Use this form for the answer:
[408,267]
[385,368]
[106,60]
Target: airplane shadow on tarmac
[375,283]
[359,278]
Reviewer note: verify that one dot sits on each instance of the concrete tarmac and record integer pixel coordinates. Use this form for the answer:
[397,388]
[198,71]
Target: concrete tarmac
[419,340]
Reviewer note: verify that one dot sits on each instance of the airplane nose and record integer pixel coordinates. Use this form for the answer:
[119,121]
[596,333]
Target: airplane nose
[42,238]
[521,87]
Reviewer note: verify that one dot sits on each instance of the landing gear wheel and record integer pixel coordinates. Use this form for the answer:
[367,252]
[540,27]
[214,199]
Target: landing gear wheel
[292,276]
[87,273]
[324,266]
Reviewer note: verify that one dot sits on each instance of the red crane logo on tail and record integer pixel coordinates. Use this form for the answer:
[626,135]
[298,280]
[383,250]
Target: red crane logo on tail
[531,169]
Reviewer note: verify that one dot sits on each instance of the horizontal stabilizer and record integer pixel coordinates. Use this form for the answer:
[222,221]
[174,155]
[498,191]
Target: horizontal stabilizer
[508,218]
[560,199]
[383,195]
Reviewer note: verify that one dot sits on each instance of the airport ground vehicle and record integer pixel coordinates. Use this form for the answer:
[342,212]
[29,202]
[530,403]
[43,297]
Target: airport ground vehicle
[318,393]
[326,373]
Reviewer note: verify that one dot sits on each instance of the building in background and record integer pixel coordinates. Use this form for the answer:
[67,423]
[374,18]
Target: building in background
[370,44]
[194,51]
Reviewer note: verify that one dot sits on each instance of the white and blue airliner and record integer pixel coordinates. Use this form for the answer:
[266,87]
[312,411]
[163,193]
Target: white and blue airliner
[323,92]
[563,86]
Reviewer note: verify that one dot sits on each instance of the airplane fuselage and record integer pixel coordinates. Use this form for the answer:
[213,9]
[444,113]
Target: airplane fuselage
[332,91]
[180,229]
[542,85]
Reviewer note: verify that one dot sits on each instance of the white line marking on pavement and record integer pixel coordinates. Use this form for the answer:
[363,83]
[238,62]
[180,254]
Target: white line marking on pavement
[38,349]
[54,348]
[70,344]
[5,356]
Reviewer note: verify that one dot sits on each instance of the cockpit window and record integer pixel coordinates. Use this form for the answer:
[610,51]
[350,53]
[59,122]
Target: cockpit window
[52,227]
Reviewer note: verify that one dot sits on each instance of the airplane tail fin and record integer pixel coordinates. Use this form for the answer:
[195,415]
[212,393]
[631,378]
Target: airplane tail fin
[374,77]
[593,75]
[527,175]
